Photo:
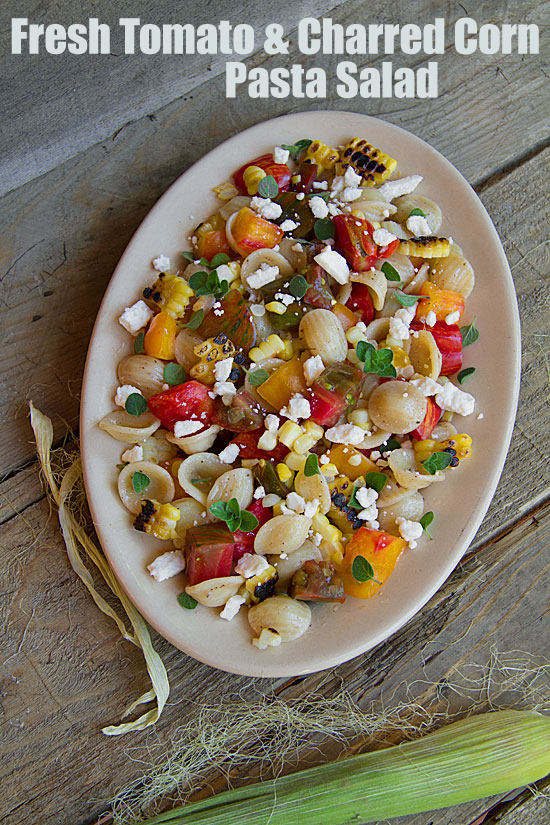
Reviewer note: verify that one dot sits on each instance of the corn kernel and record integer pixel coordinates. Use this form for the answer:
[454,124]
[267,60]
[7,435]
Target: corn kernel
[226,190]
[256,355]
[267,441]
[252,175]
[303,443]
[329,469]
[315,430]
[295,461]
[357,213]
[319,153]
[276,307]
[361,419]
[341,484]
[288,433]
[288,352]
[156,519]
[283,472]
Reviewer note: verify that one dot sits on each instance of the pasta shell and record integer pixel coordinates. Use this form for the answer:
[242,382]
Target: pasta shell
[142,371]
[288,617]
[406,203]
[425,355]
[282,534]
[377,284]
[397,407]
[403,465]
[234,205]
[404,266]
[287,567]
[215,592]
[375,439]
[157,448]
[453,272]
[237,484]
[186,341]
[395,228]
[410,506]
[378,329]
[421,276]
[200,466]
[192,513]
[373,206]
[197,443]
[253,262]
[443,430]
[344,293]
[324,335]
[392,492]
[313,487]
[391,305]
[297,258]
[129,428]
[161,485]
[230,239]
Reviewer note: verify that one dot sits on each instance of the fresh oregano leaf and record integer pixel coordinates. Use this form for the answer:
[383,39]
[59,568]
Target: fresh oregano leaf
[376,480]
[298,286]
[196,320]
[197,481]
[376,361]
[140,482]
[353,499]
[219,509]
[296,148]
[219,259]
[135,404]
[248,521]
[187,601]
[188,256]
[174,374]
[469,334]
[390,272]
[425,521]
[464,374]
[391,444]
[417,211]
[257,377]
[138,343]
[406,300]
[362,570]
[324,229]
[437,461]
[267,187]
[311,467]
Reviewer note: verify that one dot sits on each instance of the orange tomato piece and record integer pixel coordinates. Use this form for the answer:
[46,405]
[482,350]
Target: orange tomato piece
[441,301]
[160,337]
[283,383]
[382,550]
[347,317]
[250,231]
[212,243]
[341,455]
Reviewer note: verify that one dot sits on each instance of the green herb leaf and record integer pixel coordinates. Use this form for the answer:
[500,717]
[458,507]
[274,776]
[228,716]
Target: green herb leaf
[323,195]
[376,480]
[219,509]
[324,229]
[303,241]
[187,601]
[122,465]
[311,467]
[469,334]
[353,499]
[417,211]
[390,272]
[267,187]
[196,320]
[425,521]
[140,482]
[204,262]
[208,283]
[362,570]
[464,374]
[198,279]
[174,374]
[135,404]
[219,259]
[138,343]
[188,256]
[201,481]
[406,300]
[437,461]
[248,521]
[234,517]
[376,361]
[296,148]
[257,377]
[298,286]
[391,444]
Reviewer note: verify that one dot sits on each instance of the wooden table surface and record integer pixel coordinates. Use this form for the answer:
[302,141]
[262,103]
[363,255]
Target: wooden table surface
[89,145]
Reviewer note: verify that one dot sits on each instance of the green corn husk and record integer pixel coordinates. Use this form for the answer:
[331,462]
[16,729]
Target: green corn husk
[480,756]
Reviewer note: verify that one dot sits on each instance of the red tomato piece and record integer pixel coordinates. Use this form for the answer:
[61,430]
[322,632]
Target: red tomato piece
[386,251]
[354,241]
[449,343]
[326,406]
[360,302]
[279,171]
[248,447]
[185,402]
[433,414]
[308,173]
[208,552]
[244,542]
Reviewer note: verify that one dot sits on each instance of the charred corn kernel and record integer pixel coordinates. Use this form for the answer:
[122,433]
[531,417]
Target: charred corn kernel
[161,336]
[303,443]
[400,357]
[158,520]
[252,176]
[267,638]
[426,247]
[209,352]
[284,472]
[372,164]
[267,441]
[341,484]
[424,449]
[314,430]
[170,293]
[277,307]
[461,442]
[320,524]
[355,334]
[361,419]
[296,179]
[210,225]
[262,586]
[319,153]
[329,470]
[288,352]
[460,447]
[288,433]
[226,190]
[272,346]
[295,460]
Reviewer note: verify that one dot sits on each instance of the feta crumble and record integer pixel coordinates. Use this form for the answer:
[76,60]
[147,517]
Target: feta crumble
[454,400]
[318,207]
[250,565]
[382,237]
[162,263]
[185,428]
[123,392]
[271,423]
[313,367]
[232,607]
[320,184]
[431,318]
[229,454]
[409,530]
[345,434]
[298,407]
[136,317]
[222,369]
[295,503]
[418,225]
[401,321]
[167,565]
[427,386]
[395,188]
[265,208]
[265,274]
[259,492]
[288,225]
[280,155]
[133,454]
[452,317]
[333,263]
[284,298]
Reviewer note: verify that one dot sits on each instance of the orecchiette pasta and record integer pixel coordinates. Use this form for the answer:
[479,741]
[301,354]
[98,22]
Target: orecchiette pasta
[129,428]
[425,355]
[455,273]
[237,484]
[287,617]
[324,335]
[215,592]
[197,473]
[143,372]
[159,484]
[282,534]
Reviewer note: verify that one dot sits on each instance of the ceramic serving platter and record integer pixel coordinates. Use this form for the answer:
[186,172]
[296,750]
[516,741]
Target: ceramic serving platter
[337,633]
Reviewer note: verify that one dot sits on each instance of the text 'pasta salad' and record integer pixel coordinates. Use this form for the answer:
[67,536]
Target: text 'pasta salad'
[292,386]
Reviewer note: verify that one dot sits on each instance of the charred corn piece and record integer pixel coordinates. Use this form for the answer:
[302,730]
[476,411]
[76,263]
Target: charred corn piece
[210,225]
[288,433]
[209,352]
[252,175]
[424,449]
[158,520]
[226,190]
[320,524]
[341,484]
[372,164]
[461,443]
[267,638]
[284,472]
[262,586]
[427,246]
[270,348]
[170,293]
[459,446]
[322,155]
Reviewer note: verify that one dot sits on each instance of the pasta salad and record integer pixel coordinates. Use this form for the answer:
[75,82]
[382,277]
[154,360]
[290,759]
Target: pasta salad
[293,386]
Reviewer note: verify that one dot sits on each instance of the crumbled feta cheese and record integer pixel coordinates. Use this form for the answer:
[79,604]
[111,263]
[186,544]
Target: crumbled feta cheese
[218,312]
[267,441]
[366,496]
[167,565]
[334,209]
[395,188]
[229,454]
[355,460]
[320,184]
[222,369]
[133,454]
[280,155]
[284,298]
[401,321]
[351,193]
[165,387]
[409,530]
[185,428]
[297,247]
[265,274]
[313,367]
[431,318]
[311,508]
[369,513]
[162,263]
[345,434]
[136,317]
[324,459]
[333,263]
[271,423]
[232,607]
[265,208]
[259,492]
[418,225]
[454,400]
[382,237]
[250,565]
[452,317]
[480,417]
[375,454]
[298,407]
[122,393]
[257,309]
[295,502]
[427,386]
[318,207]
[300,196]
[288,225]
[337,185]
[224,388]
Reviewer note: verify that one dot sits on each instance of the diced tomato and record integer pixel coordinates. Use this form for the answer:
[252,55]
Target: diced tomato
[236,320]
[317,581]
[242,415]
[244,542]
[279,171]
[248,447]
[386,251]
[308,173]
[208,552]
[345,315]
[326,407]
[381,550]
[212,243]
[449,343]
[297,211]
[360,302]
[335,391]
[318,293]
[354,241]
[433,414]
[250,231]
[440,301]
[185,402]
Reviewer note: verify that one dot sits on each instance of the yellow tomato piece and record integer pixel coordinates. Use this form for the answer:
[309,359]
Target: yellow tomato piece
[282,383]
[160,337]
[346,317]
[381,550]
[441,301]
[351,462]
